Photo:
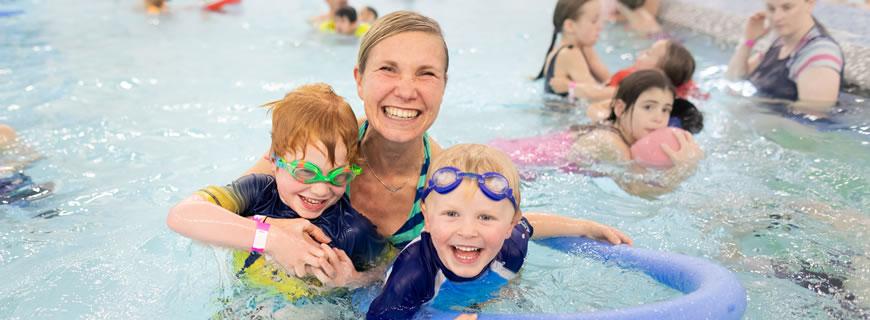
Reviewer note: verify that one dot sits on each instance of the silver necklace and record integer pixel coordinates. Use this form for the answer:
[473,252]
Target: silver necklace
[390,189]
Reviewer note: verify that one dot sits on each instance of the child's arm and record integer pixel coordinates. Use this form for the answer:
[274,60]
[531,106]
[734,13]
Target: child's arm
[547,225]
[212,215]
[409,284]
[201,220]
[596,66]
[358,247]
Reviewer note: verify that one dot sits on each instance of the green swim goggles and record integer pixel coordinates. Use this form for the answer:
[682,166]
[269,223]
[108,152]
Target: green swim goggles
[308,173]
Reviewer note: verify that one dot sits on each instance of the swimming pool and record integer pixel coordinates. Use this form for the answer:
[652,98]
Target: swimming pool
[135,112]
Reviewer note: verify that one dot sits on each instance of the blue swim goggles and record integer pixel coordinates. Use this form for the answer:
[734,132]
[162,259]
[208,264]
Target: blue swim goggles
[494,185]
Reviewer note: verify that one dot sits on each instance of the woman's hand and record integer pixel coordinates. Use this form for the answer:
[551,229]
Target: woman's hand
[295,244]
[755,26]
[336,269]
[688,155]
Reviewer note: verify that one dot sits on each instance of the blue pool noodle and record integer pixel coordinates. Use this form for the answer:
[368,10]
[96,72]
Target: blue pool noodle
[710,291]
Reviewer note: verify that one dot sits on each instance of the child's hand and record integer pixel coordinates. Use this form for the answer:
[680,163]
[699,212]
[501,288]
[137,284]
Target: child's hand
[690,153]
[467,316]
[599,231]
[296,244]
[560,84]
[336,269]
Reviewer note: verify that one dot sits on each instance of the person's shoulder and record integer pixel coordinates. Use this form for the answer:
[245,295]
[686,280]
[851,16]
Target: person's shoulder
[513,252]
[413,265]
[570,54]
[256,180]
[604,143]
[820,52]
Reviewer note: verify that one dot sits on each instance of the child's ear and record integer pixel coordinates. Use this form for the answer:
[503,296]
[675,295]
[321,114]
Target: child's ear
[618,107]
[514,222]
[568,25]
[424,213]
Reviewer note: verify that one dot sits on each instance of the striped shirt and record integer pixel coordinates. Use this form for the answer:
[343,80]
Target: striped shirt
[815,51]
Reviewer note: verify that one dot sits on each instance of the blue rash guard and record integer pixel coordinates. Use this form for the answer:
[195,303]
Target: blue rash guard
[419,277]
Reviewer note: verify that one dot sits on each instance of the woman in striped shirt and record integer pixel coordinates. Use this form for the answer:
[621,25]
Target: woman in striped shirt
[804,64]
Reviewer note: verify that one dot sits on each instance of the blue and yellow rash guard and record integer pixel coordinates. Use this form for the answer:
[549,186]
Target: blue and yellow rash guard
[328,26]
[419,277]
[258,194]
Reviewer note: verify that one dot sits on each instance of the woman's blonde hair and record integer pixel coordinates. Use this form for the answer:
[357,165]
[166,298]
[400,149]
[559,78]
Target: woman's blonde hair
[478,158]
[396,23]
[312,113]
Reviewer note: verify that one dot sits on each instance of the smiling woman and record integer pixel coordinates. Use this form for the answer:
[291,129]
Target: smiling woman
[401,74]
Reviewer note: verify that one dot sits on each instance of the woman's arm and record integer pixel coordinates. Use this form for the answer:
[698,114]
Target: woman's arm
[818,89]
[741,64]
[262,166]
[549,225]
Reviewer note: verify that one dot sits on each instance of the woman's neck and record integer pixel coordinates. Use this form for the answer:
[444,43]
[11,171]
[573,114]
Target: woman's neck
[792,40]
[390,158]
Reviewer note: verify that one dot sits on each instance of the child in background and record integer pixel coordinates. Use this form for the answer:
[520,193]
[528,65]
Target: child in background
[314,134]
[668,56]
[643,104]
[637,17]
[16,186]
[155,6]
[574,68]
[368,15]
[346,23]
[328,19]
[475,237]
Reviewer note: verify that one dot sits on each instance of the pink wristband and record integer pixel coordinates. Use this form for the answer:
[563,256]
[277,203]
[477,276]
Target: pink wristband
[260,237]
[749,43]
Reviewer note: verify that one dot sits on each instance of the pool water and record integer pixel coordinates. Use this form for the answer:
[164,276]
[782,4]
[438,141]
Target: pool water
[135,112]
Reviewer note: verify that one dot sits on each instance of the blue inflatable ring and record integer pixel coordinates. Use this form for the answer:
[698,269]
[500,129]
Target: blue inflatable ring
[711,291]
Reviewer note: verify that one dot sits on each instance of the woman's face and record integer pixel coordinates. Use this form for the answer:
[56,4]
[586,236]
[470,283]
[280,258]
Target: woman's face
[651,58]
[650,112]
[587,26]
[403,84]
[786,15]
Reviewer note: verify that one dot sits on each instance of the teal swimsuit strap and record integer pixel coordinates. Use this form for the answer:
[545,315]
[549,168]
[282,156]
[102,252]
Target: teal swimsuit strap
[414,225]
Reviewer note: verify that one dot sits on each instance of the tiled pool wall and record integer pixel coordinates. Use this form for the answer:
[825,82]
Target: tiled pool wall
[725,20]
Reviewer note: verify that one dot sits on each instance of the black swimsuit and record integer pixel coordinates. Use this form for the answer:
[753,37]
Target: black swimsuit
[551,70]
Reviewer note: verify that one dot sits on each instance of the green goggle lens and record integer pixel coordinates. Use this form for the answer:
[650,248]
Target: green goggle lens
[307,172]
